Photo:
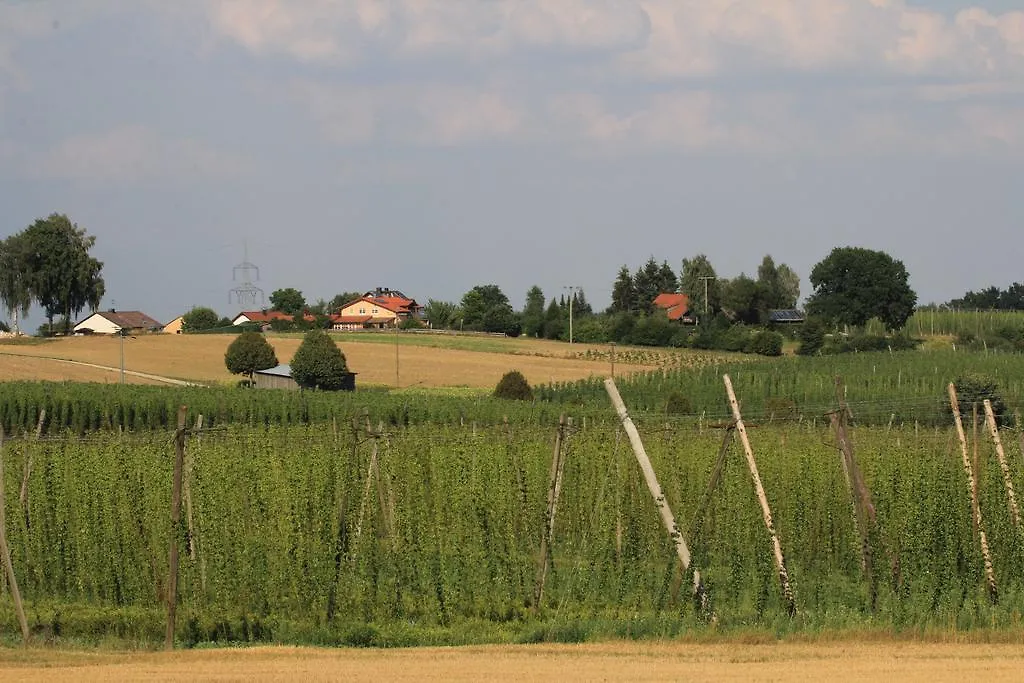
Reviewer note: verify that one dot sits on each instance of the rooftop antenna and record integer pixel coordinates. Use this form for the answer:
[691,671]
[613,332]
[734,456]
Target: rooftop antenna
[246,292]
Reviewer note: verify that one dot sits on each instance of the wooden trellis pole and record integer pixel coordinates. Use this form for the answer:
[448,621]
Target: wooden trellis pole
[664,510]
[780,561]
[547,534]
[990,576]
[172,582]
[1011,498]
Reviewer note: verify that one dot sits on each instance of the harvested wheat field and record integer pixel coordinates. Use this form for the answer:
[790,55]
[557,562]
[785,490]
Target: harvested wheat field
[846,661]
[201,358]
[26,368]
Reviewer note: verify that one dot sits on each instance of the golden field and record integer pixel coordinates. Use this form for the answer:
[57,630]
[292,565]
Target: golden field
[421,362]
[617,661]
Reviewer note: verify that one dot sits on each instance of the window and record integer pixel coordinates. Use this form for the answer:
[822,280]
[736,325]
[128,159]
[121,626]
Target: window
[362,311]
[375,311]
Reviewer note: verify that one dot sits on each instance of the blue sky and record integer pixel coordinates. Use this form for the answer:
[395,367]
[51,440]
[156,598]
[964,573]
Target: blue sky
[433,145]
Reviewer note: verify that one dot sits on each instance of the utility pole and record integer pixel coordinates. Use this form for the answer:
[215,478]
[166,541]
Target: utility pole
[572,295]
[120,333]
[705,279]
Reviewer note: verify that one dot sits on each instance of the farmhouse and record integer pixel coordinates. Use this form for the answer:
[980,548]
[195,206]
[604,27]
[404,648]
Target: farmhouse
[677,306]
[378,309]
[280,377]
[174,327]
[263,316]
[114,322]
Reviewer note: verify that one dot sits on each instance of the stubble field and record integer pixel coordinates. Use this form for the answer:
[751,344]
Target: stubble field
[444,362]
[847,661]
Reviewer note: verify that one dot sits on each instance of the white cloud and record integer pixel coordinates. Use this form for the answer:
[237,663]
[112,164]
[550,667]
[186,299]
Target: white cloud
[132,154]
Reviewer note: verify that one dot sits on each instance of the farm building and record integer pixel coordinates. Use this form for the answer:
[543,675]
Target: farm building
[280,377]
[113,322]
[378,309]
[677,306]
[786,316]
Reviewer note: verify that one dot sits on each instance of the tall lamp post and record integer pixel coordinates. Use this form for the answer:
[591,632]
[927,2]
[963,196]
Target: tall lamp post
[572,295]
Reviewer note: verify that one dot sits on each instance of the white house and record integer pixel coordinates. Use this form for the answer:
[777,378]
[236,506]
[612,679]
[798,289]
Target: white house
[112,322]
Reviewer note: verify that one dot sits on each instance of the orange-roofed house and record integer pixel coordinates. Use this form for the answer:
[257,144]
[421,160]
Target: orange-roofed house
[378,309]
[677,306]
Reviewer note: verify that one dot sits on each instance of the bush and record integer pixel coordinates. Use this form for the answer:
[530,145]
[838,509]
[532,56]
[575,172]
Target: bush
[677,404]
[592,329]
[319,363]
[513,386]
[200,318]
[974,388]
[764,343]
[811,337]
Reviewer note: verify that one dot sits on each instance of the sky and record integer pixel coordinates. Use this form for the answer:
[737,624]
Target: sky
[434,145]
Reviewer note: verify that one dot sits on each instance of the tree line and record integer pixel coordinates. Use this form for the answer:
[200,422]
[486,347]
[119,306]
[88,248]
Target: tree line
[49,263]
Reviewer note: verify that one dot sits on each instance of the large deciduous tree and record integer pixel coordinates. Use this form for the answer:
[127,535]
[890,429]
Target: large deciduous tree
[62,276]
[780,284]
[248,353]
[319,363]
[15,293]
[853,285]
[288,300]
[339,300]
[200,318]
[486,308]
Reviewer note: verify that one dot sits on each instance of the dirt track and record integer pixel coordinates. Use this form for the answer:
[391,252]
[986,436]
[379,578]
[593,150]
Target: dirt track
[845,661]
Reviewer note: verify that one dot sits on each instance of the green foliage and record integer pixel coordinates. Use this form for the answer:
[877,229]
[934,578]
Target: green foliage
[338,301]
[972,389]
[678,404]
[624,294]
[653,330]
[650,281]
[15,277]
[764,343]
[533,313]
[691,284]
[288,300]
[513,386]
[442,315]
[853,285]
[811,337]
[200,318]
[486,308]
[591,330]
[61,275]
[248,353]
[319,363]
[556,321]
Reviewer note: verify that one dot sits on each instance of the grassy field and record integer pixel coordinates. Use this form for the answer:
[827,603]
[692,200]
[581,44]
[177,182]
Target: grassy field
[422,360]
[759,661]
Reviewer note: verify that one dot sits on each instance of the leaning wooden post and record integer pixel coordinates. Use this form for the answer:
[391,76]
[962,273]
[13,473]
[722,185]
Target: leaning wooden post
[554,489]
[990,576]
[1011,499]
[12,580]
[172,582]
[780,562]
[652,482]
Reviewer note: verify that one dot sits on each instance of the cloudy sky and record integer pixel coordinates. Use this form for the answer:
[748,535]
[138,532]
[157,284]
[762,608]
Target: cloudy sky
[432,145]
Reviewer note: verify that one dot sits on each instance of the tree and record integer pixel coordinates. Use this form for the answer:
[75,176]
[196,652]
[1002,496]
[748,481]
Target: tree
[513,386]
[780,285]
[555,321]
[442,315]
[486,308]
[319,363]
[853,285]
[623,293]
[691,284]
[15,294]
[289,300]
[248,353]
[650,281]
[200,318]
[61,274]
[533,312]
[580,306]
[744,299]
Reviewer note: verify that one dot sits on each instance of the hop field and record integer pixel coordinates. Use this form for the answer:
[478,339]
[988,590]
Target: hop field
[430,534]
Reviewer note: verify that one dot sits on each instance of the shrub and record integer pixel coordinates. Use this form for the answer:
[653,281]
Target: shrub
[200,318]
[811,336]
[974,388]
[248,353]
[677,404]
[513,386]
[764,343]
[319,363]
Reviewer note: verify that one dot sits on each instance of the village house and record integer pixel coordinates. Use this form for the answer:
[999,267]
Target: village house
[117,322]
[379,309]
[175,326]
[676,305]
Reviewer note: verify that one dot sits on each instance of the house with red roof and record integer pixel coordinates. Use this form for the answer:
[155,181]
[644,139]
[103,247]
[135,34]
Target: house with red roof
[676,305]
[265,317]
[377,309]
